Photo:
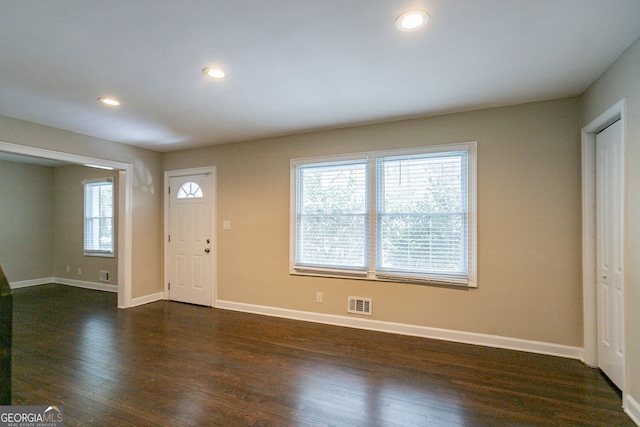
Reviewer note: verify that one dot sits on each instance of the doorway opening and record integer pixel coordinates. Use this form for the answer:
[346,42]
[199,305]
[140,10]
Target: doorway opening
[124,213]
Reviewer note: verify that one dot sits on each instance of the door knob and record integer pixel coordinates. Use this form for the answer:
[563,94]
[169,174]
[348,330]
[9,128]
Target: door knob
[207,250]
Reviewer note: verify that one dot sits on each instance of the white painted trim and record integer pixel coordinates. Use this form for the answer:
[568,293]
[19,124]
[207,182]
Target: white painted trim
[125,209]
[63,281]
[125,237]
[632,408]
[147,299]
[412,330]
[589,132]
[32,282]
[85,285]
[589,249]
[214,238]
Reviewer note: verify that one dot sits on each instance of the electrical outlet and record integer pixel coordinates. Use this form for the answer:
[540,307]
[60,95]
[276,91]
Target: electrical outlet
[79,271]
[318,296]
[68,268]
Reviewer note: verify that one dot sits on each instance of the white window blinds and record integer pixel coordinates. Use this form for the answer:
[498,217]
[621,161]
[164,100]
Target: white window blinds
[404,215]
[98,217]
[332,217]
[422,214]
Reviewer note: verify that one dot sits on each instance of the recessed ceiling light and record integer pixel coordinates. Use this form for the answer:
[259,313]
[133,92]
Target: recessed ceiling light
[109,101]
[412,20]
[216,73]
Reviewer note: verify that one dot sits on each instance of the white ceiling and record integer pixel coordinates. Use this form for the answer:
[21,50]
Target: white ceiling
[293,65]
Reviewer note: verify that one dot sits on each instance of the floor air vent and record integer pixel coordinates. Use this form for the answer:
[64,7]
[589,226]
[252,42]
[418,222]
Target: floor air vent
[359,305]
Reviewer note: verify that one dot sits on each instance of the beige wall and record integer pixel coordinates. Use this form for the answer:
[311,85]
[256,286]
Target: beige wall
[529,238]
[146,196]
[26,221]
[622,80]
[69,226]
[41,223]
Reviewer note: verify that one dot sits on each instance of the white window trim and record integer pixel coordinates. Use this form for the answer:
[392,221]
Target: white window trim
[470,281]
[95,252]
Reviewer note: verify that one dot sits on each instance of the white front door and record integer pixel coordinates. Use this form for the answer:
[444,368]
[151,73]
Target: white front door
[190,239]
[610,252]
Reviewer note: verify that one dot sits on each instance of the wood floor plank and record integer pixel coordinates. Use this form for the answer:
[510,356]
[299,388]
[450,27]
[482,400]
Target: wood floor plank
[172,364]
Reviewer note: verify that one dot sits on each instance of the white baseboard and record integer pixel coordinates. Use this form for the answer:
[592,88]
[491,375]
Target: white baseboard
[632,408]
[62,281]
[33,282]
[86,285]
[413,330]
[368,324]
[147,299]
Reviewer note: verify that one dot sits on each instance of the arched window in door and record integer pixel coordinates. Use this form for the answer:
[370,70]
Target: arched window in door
[190,190]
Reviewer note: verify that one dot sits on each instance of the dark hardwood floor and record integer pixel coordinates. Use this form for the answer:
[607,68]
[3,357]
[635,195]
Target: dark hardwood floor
[172,364]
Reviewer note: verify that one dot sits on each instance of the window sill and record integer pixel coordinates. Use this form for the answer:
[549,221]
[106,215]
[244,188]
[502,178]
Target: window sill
[99,254]
[384,277]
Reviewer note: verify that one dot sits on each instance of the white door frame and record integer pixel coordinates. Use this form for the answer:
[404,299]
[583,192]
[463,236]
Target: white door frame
[211,170]
[589,292]
[125,212]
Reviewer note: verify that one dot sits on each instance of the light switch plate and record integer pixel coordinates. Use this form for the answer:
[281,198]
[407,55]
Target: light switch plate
[226,224]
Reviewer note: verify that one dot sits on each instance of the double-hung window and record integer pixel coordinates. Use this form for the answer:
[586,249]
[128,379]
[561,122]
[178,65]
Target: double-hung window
[332,216]
[404,215]
[98,217]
